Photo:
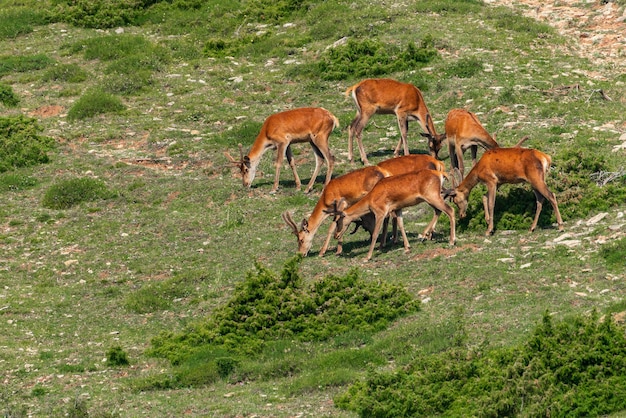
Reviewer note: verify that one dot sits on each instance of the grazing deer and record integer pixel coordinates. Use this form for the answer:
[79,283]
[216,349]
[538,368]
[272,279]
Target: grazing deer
[511,166]
[463,131]
[385,96]
[279,131]
[351,187]
[390,195]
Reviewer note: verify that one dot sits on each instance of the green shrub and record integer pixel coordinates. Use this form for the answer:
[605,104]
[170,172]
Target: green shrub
[8,96]
[574,368]
[70,73]
[16,182]
[112,47]
[266,307]
[20,143]
[70,192]
[127,84]
[116,357]
[20,21]
[100,14]
[464,68]
[23,63]
[94,102]
[615,255]
[367,58]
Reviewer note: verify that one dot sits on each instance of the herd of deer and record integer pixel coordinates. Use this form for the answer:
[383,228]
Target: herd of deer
[369,196]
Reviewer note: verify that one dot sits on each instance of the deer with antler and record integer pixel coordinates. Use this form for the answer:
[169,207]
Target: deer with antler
[385,96]
[349,188]
[392,194]
[463,131]
[507,166]
[279,131]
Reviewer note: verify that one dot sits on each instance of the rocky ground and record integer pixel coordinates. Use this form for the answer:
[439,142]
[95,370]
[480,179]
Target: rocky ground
[597,26]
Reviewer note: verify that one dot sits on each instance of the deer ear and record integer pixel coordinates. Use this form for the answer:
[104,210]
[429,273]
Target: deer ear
[425,135]
[305,225]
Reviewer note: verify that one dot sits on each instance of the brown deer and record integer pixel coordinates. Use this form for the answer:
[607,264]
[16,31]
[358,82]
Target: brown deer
[385,96]
[279,131]
[351,187]
[507,166]
[390,195]
[463,131]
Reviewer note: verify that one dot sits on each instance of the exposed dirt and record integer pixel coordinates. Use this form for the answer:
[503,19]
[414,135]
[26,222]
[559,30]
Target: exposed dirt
[598,26]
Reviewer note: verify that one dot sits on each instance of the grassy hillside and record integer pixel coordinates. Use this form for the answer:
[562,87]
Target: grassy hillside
[123,220]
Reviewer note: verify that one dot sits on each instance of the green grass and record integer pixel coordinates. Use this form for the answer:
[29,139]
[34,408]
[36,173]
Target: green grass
[148,113]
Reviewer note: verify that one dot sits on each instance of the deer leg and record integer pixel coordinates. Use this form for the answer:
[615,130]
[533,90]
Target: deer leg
[442,206]
[356,129]
[320,146]
[383,239]
[318,166]
[403,125]
[283,151]
[547,194]
[405,239]
[459,159]
[428,232]
[452,152]
[491,202]
[540,200]
[375,232]
[331,231]
[474,151]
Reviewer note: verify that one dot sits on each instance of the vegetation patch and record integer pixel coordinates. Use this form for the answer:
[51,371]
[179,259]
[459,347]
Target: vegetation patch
[23,63]
[95,102]
[100,14]
[574,368]
[21,145]
[266,307]
[8,96]
[16,22]
[117,357]
[16,182]
[70,192]
[615,255]
[367,58]
[70,73]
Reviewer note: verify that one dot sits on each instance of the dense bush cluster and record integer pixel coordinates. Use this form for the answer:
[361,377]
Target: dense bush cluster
[575,368]
[7,96]
[368,58]
[70,192]
[21,144]
[267,307]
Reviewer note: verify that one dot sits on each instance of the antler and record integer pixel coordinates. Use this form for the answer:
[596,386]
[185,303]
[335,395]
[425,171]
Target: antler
[289,221]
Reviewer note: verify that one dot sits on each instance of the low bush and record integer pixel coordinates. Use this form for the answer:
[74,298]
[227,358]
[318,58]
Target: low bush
[16,22]
[615,255]
[266,307]
[70,73]
[100,14]
[94,102]
[23,63]
[368,58]
[8,96]
[70,192]
[16,182]
[116,357]
[20,143]
[574,368]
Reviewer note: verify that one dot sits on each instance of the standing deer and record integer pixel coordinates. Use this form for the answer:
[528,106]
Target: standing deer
[507,166]
[390,195]
[463,131]
[385,96]
[349,188]
[279,131]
